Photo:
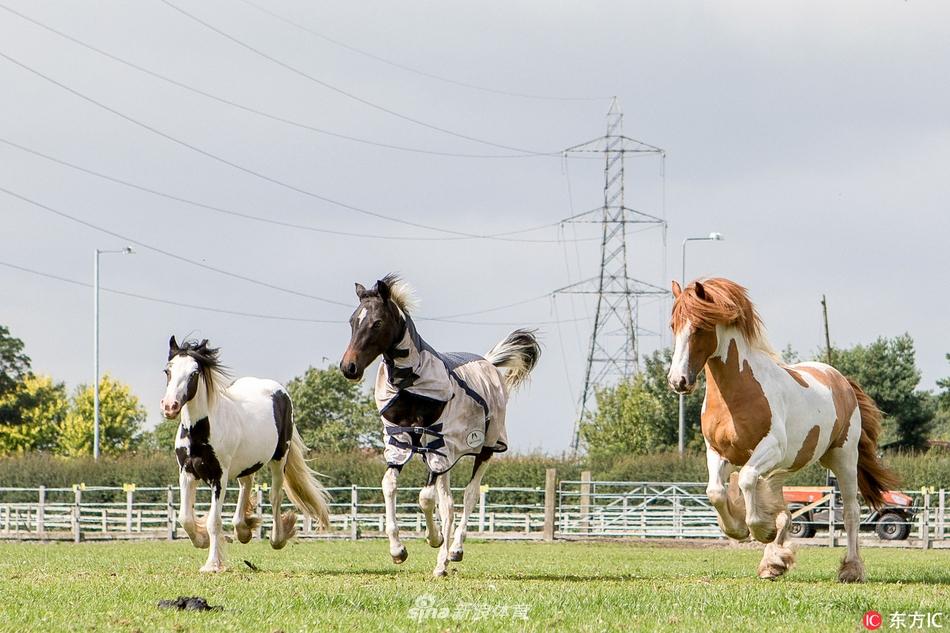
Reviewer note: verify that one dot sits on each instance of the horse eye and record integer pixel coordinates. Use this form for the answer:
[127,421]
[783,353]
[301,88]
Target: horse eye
[168,374]
[377,325]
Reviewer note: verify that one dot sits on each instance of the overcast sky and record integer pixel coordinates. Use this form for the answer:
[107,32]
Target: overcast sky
[814,136]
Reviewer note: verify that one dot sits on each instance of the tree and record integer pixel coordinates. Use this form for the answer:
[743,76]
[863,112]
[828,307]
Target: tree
[887,370]
[121,417]
[332,414]
[162,437]
[36,408]
[655,369]
[942,404]
[642,415]
[628,421]
[14,364]
[790,356]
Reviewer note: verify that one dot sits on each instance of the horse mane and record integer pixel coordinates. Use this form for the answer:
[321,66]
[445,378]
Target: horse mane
[725,303]
[212,370]
[401,293]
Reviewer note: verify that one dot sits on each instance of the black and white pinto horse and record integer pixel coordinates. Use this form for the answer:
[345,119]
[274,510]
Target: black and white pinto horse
[441,406]
[232,432]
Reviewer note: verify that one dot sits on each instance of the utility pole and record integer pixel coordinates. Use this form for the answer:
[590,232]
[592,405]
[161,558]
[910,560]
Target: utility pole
[824,311]
[95,343]
[613,350]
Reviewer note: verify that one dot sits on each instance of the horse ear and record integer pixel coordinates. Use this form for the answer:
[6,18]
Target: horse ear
[383,289]
[173,345]
[677,290]
[203,344]
[360,290]
[700,291]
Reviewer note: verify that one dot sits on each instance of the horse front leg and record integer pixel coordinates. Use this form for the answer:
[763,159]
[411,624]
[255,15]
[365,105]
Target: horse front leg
[285,524]
[244,520]
[445,515]
[215,561]
[396,549]
[762,504]
[188,487]
[427,501]
[777,558]
[727,503]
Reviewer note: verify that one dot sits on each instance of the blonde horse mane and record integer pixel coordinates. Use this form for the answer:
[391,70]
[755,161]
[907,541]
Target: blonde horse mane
[401,293]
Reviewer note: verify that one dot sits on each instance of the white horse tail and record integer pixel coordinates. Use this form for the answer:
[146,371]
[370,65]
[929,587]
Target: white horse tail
[517,355]
[301,484]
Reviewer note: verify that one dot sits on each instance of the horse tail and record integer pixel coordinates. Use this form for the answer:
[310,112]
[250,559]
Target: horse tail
[874,479]
[301,484]
[517,355]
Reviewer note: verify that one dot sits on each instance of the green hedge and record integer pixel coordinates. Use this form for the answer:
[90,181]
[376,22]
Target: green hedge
[344,469]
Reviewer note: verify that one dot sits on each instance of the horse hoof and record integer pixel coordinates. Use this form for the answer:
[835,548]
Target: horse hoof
[243,534]
[278,544]
[211,569]
[455,556]
[771,572]
[440,573]
[436,544]
[401,557]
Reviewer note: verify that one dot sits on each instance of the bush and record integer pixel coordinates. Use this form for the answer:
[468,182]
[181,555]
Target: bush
[366,469]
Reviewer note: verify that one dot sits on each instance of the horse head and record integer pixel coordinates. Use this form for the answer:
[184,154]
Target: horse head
[376,325]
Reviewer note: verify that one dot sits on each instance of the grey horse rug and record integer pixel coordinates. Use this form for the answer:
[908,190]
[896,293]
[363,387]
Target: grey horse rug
[472,389]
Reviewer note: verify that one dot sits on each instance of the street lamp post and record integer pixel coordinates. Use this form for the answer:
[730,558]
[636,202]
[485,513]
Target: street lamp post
[715,237]
[95,344]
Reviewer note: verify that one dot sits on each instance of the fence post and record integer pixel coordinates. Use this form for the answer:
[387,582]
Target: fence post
[77,534]
[41,512]
[482,494]
[941,507]
[550,490]
[585,502]
[259,511]
[831,519]
[354,503]
[170,514]
[128,507]
[925,521]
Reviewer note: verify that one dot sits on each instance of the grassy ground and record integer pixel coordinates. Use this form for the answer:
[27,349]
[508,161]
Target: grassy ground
[349,586]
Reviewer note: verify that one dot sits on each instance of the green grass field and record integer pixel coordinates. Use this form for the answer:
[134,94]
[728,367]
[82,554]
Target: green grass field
[324,586]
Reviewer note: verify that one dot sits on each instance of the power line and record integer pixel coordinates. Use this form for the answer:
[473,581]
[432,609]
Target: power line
[345,93]
[278,182]
[170,254]
[410,69]
[179,304]
[248,216]
[250,109]
[245,278]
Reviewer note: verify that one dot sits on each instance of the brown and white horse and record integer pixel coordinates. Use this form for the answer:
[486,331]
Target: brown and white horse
[771,420]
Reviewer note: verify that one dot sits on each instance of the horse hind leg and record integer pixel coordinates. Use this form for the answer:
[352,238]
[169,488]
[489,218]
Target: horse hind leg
[844,463]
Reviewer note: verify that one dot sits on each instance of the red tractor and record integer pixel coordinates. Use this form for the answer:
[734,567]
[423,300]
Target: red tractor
[891,523]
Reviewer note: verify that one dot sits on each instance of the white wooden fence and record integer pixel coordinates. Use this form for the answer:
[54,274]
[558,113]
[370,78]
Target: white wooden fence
[583,509]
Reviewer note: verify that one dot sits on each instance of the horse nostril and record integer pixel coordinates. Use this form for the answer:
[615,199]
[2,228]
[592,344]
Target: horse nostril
[351,369]
[682,383]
